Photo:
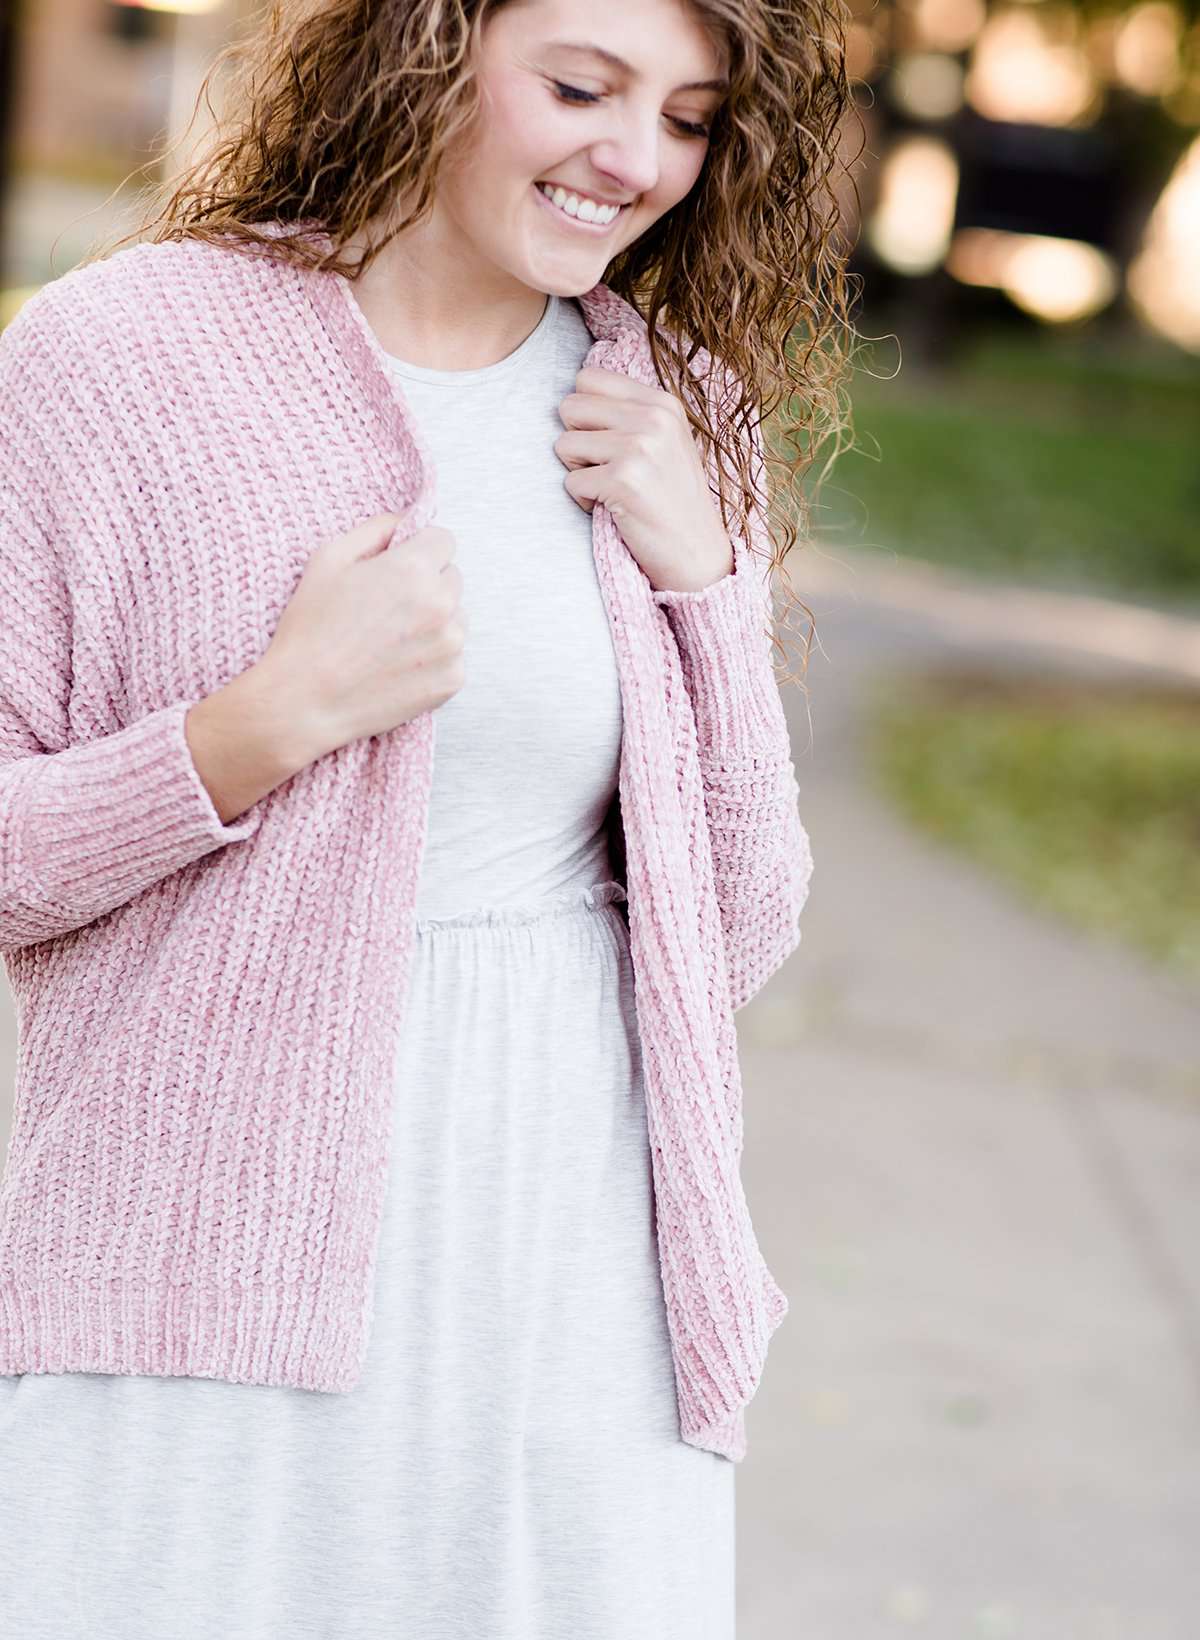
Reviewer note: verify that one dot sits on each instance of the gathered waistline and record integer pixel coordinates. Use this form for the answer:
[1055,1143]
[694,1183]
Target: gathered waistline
[598,897]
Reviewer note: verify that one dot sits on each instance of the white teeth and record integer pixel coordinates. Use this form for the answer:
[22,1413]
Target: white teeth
[586,210]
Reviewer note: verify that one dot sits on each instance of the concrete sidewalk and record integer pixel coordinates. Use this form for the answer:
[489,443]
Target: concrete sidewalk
[973,1156]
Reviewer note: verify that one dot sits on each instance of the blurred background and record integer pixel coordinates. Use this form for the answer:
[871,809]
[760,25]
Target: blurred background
[973,1096]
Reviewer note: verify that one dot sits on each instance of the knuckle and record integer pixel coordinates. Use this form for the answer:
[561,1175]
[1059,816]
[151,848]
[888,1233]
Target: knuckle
[453,638]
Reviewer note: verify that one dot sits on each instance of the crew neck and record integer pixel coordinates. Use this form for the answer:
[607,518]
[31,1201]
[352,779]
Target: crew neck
[520,355]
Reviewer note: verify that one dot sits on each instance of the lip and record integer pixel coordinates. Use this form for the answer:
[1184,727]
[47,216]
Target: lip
[596,229]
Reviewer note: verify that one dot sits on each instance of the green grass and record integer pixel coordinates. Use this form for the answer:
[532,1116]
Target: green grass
[1085,800]
[1052,460]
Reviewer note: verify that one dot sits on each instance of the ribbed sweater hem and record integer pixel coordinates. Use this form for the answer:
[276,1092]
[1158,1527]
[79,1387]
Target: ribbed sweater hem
[286,1338]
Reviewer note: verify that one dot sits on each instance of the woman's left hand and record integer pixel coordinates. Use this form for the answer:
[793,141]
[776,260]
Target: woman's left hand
[631,446]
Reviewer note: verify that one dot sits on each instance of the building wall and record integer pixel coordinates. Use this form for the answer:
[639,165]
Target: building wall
[99,82]
[101,90]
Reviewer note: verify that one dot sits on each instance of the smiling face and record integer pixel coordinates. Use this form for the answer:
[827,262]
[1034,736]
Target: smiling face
[593,125]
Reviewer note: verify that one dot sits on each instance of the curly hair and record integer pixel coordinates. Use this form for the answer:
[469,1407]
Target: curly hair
[339,112]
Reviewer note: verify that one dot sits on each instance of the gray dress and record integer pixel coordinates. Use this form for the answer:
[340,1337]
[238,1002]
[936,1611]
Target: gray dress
[510,1466]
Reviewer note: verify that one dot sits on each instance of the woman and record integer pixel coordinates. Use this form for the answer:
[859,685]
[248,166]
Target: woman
[373,1257]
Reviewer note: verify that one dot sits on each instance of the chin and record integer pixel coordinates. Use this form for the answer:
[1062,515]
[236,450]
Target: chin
[554,284]
[571,287]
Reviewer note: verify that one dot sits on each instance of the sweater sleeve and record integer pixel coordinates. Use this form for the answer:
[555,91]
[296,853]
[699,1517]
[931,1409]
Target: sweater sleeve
[85,825]
[762,859]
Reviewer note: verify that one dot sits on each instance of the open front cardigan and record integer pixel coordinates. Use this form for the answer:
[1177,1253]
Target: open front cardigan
[208,1013]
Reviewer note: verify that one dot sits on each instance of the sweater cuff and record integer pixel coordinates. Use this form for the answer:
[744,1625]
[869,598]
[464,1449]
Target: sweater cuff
[106,818]
[724,643]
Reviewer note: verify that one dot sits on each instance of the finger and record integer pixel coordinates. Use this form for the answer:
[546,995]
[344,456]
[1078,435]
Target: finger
[587,485]
[591,378]
[583,448]
[595,410]
[365,539]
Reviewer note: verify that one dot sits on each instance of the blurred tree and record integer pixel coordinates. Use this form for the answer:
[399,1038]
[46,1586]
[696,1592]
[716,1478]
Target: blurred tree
[953,87]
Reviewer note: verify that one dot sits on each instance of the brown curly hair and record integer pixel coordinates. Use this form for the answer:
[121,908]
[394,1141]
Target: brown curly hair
[338,110]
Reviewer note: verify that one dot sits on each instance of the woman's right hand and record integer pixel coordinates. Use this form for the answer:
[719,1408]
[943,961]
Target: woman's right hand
[373,635]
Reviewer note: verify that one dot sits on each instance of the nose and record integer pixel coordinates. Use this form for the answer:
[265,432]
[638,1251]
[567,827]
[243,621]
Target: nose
[629,156]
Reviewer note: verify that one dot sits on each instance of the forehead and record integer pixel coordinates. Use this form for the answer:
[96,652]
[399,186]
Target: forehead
[662,40]
[596,53]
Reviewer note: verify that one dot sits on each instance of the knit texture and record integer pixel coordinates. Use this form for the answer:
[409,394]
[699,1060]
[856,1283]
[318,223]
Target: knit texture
[208,1014]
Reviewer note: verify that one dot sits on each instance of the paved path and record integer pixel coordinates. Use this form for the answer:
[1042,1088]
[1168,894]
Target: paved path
[973,1156]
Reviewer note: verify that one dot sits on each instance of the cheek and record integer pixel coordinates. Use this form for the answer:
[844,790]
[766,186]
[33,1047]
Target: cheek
[520,133]
[678,174]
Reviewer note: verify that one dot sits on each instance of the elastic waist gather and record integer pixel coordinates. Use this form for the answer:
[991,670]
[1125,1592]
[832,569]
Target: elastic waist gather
[598,897]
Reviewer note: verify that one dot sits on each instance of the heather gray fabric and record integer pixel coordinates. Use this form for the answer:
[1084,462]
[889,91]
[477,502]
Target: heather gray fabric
[510,1468]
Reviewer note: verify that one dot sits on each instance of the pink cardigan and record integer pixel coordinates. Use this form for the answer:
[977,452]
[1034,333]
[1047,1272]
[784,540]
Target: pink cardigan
[208,1014]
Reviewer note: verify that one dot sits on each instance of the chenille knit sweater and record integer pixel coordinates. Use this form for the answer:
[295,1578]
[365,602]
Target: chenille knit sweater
[208,1014]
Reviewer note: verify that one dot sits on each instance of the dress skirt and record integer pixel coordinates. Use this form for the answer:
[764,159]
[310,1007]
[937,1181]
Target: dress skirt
[510,1467]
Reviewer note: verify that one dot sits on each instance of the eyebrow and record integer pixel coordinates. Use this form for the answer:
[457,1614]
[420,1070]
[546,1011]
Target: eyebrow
[611,58]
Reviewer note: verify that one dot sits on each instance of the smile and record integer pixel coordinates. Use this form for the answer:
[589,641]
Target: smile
[583,213]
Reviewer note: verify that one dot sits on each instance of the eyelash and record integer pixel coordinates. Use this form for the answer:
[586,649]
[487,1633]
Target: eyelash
[575,94]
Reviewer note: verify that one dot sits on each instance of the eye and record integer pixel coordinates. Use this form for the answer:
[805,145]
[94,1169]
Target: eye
[573,93]
[576,94]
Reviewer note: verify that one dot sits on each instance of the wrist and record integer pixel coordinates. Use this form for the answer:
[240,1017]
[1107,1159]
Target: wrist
[288,732]
[701,578]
